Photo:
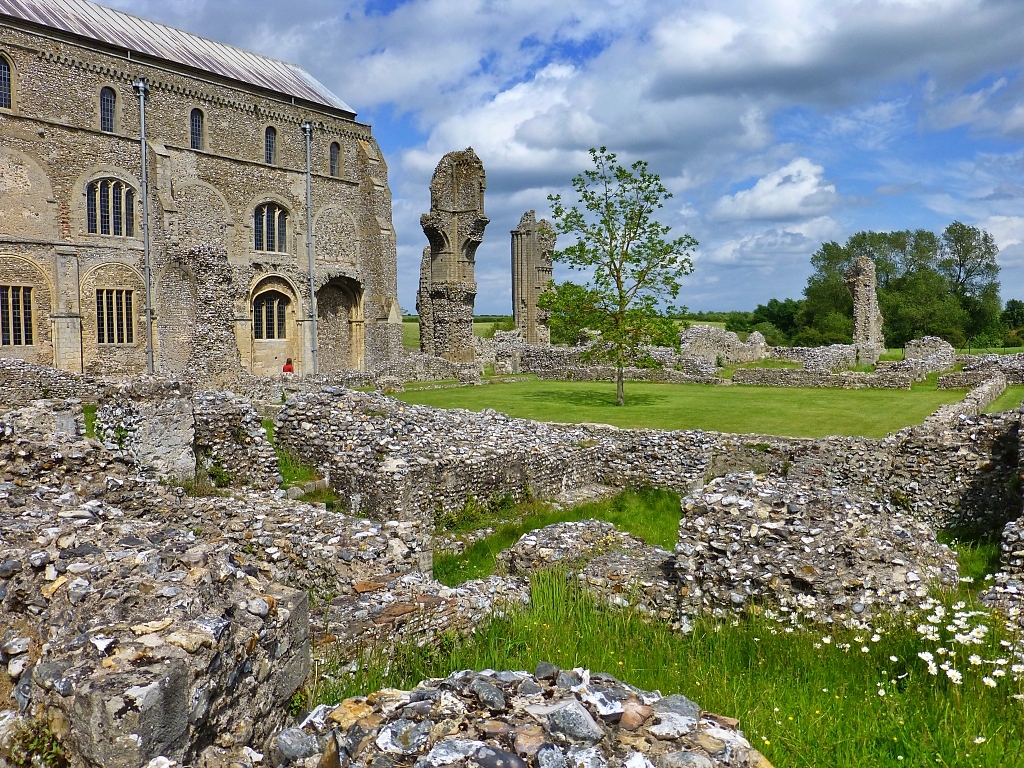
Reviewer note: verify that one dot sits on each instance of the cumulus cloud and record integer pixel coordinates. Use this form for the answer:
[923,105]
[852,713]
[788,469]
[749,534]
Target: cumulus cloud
[796,190]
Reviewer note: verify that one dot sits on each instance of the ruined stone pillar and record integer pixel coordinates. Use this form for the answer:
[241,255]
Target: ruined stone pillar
[455,229]
[867,319]
[532,244]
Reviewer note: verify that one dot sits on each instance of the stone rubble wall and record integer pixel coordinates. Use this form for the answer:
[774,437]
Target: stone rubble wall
[719,346]
[22,382]
[389,460]
[126,608]
[610,373]
[964,379]
[832,359]
[974,403]
[801,377]
[150,420]
[230,439]
[933,349]
[1011,366]
[821,554]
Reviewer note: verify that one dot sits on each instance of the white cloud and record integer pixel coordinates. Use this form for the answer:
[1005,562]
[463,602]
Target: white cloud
[796,190]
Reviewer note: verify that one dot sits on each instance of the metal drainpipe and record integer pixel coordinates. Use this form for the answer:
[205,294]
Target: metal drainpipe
[142,88]
[307,128]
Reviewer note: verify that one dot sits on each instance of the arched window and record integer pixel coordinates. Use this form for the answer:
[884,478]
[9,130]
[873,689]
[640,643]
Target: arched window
[15,316]
[5,84]
[115,316]
[196,128]
[335,159]
[110,208]
[270,145]
[108,101]
[268,315]
[270,227]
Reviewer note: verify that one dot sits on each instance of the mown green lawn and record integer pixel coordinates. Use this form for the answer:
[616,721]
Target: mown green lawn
[791,412]
[411,332]
[1009,400]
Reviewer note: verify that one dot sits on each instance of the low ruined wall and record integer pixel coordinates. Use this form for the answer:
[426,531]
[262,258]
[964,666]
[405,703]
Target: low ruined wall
[395,461]
[1011,366]
[230,442]
[721,347]
[22,382]
[963,379]
[799,377]
[609,373]
[150,420]
[835,358]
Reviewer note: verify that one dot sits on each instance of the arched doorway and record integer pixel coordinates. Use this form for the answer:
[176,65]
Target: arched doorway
[274,327]
[340,327]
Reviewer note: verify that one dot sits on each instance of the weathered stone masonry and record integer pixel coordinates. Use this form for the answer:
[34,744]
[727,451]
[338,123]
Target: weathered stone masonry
[532,244]
[208,274]
[455,229]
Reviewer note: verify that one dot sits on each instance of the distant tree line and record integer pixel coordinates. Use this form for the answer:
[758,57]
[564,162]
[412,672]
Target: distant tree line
[943,285]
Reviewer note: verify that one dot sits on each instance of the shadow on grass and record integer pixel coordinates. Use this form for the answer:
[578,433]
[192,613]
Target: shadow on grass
[590,398]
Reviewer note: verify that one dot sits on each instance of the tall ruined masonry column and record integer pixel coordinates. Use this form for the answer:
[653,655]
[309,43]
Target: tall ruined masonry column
[867,319]
[455,228]
[532,244]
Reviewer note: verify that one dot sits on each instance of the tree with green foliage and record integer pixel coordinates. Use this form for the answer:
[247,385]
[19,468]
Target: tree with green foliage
[632,268]
[1013,314]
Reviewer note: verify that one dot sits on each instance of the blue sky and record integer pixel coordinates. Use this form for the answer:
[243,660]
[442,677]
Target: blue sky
[778,124]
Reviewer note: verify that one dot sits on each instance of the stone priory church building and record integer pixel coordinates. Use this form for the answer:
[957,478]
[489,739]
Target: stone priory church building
[226,158]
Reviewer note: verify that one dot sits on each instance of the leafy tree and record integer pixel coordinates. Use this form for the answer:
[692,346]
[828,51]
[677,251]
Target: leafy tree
[781,314]
[738,322]
[771,333]
[632,267]
[1013,315]
[573,308]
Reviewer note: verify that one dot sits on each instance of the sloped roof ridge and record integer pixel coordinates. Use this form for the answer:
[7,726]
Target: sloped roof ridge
[125,30]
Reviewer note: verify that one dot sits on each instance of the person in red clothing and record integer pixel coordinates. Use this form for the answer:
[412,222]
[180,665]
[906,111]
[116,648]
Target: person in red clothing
[288,368]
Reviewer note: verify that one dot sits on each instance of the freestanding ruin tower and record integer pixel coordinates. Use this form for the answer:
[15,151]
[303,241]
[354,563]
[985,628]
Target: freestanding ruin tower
[867,319]
[455,228]
[532,244]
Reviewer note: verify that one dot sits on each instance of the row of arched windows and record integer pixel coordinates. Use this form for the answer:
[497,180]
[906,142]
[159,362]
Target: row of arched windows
[197,137]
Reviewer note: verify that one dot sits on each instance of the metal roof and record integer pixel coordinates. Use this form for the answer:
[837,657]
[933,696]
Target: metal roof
[97,22]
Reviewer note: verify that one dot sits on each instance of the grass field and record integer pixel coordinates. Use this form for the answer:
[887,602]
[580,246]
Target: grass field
[411,332]
[791,412]
[651,514]
[815,697]
[1009,400]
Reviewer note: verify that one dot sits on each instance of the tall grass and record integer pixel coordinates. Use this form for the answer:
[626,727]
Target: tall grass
[651,514]
[804,697]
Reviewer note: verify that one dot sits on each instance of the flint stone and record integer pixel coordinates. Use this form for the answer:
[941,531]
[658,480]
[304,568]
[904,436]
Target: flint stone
[574,722]
[550,756]
[488,695]
[404,737]
[8,568]
[545,671]
[678,704]
[489,757]
[684,760]
[296,744]
[452,751]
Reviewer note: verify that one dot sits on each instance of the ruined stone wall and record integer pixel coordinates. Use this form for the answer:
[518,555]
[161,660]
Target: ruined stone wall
[610,373]
[532,245]
[202,198]
[721,347]
[396,461]
[796,377]
[21,382]
[834,358]
[867,319]
[455,228]
[230,442]
[150,421]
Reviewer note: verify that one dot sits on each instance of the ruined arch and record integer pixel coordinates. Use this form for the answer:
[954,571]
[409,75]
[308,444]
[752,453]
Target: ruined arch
[25,194]
[336,236]
[341,334]
[204,216]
